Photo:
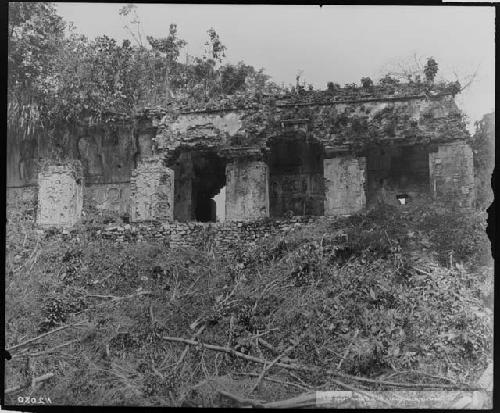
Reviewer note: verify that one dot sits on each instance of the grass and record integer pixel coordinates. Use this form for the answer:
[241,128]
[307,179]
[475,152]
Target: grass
[370,296]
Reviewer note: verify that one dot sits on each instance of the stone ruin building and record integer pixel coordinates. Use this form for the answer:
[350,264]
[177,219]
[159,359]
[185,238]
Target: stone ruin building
[313,153]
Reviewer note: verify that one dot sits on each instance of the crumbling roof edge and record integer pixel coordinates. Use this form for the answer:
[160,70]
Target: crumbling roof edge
[147,112]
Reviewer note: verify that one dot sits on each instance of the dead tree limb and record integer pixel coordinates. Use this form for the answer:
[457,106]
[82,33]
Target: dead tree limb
[31,340]
[266,368]
[274,380]
[32,383]
[50,350]
[299,367]
[241,400]
[186,349]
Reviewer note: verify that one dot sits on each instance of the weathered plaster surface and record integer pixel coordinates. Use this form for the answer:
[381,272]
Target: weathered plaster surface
[247,190]
[152,192]
[344,185]
[207,130]
[60,195]
[108,197]
[452,173]
[356,124]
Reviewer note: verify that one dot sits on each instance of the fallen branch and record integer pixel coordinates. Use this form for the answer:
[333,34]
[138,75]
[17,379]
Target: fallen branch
[50,350]
[304,400]
[268,345]
[274,380]
[137,294]
[31,340]
[241,400]
[186,349]
[268,367]
[408,385]
[299,367]
[114,300]
[152,315]
[427,375]
[114,297]
[33,383]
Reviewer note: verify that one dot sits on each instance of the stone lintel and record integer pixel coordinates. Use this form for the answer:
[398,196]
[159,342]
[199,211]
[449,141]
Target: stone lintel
[332,151]
[243,154]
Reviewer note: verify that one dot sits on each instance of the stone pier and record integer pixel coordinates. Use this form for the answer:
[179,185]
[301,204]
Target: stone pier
[152,191]
[345,178]
[451,173]
[247,190]
[60,194]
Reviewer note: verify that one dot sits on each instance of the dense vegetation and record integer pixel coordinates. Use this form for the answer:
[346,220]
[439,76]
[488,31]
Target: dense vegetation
[57,76]
[366,302]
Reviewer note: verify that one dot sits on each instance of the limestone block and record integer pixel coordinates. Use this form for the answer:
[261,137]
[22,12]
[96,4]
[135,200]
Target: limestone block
[247,190]
[451,172]
[60,194]
[345,178]
[152,192]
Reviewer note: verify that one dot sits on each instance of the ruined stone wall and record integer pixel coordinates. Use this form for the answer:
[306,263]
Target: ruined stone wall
[107,151]
[339,127]
[17,197]
[452,173]
[353,124]
[219,237]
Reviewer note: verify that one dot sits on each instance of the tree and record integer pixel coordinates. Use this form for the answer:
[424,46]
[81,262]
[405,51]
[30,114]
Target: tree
[214,48]
[366,82]
[430,69]
[131,9]
[36,33]
[169,48]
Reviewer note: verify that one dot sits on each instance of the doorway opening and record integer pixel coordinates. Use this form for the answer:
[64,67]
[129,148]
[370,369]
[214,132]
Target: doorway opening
[296,177]
[199,177]
[395,171]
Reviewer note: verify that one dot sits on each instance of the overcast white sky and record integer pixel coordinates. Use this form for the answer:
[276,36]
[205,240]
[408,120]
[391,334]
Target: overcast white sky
[332,43]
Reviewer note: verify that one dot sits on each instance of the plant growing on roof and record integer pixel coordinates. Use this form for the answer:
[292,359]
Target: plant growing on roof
[430,69]
[366,82]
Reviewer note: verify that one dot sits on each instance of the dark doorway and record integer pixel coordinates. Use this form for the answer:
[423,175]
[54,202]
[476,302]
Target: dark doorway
[394,170]
[296,177]
[199,176]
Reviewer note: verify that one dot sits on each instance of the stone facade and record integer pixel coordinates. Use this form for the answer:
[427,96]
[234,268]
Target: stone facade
[304,154]
[345,178]
[452,173]
[152,191]
[247,190]
[60,195]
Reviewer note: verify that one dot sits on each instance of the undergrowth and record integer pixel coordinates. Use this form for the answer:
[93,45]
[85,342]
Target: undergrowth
[373,295]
